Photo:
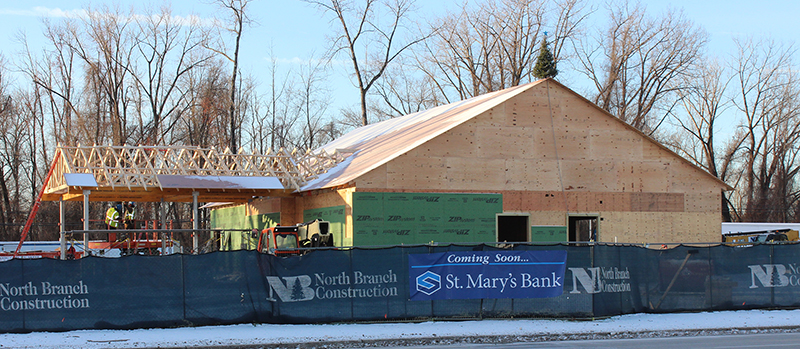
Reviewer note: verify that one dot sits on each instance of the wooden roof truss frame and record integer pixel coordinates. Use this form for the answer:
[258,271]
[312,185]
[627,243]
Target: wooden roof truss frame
[139,166]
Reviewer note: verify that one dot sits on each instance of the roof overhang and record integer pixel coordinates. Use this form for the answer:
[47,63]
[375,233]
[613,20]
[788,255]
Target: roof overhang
[184,194]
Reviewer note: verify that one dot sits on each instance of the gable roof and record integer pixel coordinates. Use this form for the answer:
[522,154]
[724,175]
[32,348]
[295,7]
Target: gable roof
[376,144]
[379,143]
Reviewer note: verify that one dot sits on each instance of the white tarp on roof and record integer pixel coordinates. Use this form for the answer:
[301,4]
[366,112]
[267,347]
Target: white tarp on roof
[382,142]
[332,173]
[219,182]
[369,132]
[80,180]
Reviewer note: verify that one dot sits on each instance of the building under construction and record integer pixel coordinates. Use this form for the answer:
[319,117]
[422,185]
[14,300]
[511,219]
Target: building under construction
[531,163]
[535,162]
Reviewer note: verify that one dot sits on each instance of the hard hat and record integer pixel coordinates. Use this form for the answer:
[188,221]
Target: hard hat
[131,204]
[119,207]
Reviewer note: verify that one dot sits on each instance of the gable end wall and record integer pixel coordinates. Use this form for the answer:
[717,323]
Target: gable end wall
[596,165]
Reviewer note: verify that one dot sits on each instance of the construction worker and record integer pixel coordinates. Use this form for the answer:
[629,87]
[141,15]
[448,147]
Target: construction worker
[129,214]
[112,220]
[112,216]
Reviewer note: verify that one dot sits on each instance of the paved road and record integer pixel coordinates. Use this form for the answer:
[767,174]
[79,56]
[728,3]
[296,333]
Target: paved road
[737,341]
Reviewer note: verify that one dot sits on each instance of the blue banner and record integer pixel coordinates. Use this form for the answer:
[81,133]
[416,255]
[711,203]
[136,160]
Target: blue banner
[486,275]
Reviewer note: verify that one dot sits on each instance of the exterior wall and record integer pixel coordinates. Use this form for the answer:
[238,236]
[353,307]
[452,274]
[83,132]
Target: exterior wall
[237,217]
[343,236]
[260,213]
[256,214]
[394,218]
[283,206]
[597,165]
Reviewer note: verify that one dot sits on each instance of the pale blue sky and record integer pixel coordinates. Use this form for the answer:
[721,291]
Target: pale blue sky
[296,30]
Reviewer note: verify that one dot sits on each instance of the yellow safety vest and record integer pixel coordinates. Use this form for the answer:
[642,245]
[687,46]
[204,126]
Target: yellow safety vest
[112,217]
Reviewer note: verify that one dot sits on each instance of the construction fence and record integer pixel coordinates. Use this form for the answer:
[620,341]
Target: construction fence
[399,283]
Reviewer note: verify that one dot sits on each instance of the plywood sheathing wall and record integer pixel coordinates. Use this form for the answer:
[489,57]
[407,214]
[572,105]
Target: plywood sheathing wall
[641,191]
[327,198]
[284,205]
[262,206]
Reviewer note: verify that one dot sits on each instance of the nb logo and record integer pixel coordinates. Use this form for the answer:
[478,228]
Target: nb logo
[429,282]
[590,281]
[771,275]
[290,288]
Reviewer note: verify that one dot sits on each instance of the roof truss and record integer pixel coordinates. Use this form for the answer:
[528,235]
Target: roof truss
[125,170]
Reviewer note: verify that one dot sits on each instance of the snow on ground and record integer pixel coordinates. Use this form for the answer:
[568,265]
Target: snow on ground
[276,334]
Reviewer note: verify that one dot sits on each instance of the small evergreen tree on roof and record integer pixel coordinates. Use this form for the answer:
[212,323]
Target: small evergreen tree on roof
[545,65]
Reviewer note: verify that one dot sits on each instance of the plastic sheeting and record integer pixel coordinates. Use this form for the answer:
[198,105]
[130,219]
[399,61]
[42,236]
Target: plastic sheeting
[373,285]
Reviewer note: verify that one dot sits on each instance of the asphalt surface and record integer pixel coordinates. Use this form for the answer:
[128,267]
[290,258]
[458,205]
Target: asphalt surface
[706,339]
[759,340]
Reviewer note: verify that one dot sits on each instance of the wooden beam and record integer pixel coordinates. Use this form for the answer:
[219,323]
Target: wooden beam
[169,195]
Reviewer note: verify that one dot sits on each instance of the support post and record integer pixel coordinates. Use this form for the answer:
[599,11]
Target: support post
[163,211]
[195,223]
[62,237]
[86,250]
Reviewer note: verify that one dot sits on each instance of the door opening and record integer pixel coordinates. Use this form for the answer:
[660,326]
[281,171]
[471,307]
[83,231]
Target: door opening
[583,228]
[513,227]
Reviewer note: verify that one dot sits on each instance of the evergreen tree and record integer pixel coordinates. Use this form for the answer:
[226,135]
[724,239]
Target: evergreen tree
[297,290]
[545,65]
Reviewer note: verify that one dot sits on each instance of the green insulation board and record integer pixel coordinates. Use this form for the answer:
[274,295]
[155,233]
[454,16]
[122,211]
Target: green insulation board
[235,218]
[335,215]
[420,218]
[548,233]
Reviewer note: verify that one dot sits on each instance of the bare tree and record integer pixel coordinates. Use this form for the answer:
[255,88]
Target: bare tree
[312,102]
[296,111]
[404,92]
[702,107]
[13,141]
[111,33]
[637,62]
[104,45]
[52,71]
[37,161]
[17,165]
[494,45]
[364,33]
[281,119]
[6,167]
[247,105]
[168,48]
[568,27]
[131,64]
[202,121]
[258,132]
[767,98]
[703,102]
[238,20]
[275,118]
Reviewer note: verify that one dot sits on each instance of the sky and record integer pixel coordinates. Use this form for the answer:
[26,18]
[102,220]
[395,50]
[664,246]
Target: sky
[294,31]
[252,334]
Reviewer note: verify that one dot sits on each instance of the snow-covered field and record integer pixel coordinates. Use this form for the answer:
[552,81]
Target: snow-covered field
[321,334]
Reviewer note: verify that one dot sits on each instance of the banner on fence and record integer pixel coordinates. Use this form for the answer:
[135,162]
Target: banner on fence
[409,282]
[486,275]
